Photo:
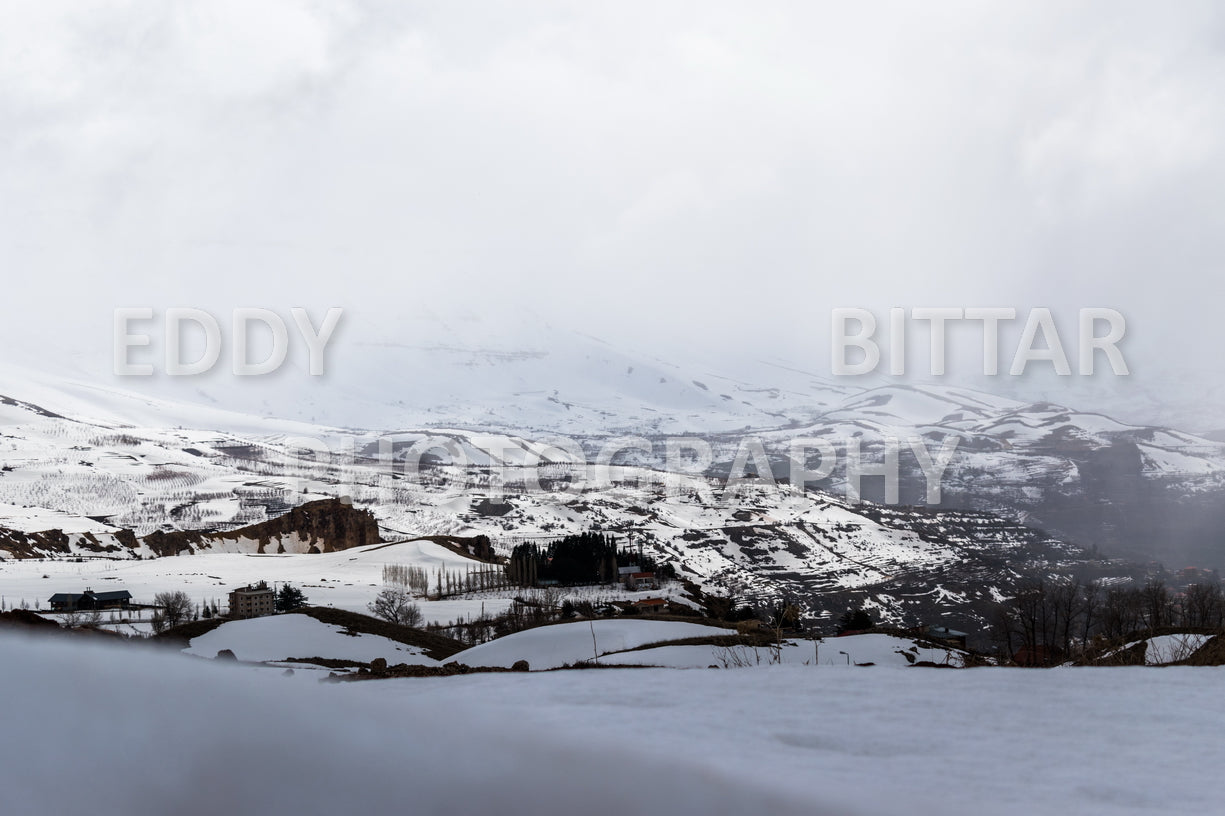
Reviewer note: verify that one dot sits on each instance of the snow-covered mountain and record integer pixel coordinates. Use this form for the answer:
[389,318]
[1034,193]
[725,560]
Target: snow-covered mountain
[113,490]
[1027,481]
[1140,491]
[430,371]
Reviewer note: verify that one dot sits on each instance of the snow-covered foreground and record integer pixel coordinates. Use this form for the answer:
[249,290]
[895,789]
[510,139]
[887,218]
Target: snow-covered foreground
[190,737]
[787,739]
[282,637]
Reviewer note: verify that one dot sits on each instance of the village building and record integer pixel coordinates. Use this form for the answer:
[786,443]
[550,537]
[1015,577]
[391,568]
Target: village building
[636,581]
[651,606]
[253,601]
[90,600]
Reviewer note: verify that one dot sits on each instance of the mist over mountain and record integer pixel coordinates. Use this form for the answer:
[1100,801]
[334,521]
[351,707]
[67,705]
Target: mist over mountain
[530,371]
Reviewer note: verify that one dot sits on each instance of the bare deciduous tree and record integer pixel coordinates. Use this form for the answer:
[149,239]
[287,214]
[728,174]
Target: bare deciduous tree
[70,618]
[395,605]
[176,607]
[1158,603]
[1202,605]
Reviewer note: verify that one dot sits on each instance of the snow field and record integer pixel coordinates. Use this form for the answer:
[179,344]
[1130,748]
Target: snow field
[786,739]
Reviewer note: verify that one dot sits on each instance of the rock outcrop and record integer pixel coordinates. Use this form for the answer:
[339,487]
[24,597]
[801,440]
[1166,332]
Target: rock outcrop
[327,525]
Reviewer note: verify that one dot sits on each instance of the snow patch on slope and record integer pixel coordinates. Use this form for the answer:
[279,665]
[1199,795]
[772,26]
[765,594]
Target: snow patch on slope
[549,647]
[281,637]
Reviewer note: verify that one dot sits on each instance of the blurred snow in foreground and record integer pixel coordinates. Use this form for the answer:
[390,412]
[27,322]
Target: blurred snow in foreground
[133,731]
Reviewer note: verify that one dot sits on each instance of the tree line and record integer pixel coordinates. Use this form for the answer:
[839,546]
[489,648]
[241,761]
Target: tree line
[445,582]
[578,560]
[1055,620]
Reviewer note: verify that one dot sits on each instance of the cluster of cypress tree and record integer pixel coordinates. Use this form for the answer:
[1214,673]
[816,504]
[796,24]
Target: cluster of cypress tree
[586,558]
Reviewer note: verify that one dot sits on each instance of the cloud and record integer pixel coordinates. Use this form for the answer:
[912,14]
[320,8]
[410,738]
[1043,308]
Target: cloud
[645,171]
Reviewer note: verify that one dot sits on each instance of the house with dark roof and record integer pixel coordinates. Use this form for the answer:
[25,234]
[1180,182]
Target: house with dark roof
[90,600]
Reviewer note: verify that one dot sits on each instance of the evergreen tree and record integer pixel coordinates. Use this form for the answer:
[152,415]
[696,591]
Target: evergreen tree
[289,598]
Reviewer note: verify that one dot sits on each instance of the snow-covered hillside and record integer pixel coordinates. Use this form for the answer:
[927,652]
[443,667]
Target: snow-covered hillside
[646,643]
[549,647]
[282,637]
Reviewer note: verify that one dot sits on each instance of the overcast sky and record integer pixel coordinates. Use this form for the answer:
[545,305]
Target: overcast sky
[711,176]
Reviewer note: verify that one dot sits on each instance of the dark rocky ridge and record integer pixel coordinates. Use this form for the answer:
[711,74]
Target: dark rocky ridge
[328,525]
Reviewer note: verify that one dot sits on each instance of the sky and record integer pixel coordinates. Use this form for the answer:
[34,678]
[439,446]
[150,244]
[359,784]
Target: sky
[684,178]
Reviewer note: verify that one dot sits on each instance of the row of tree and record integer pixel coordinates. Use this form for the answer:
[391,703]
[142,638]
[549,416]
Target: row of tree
[413,578]
[445,582]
